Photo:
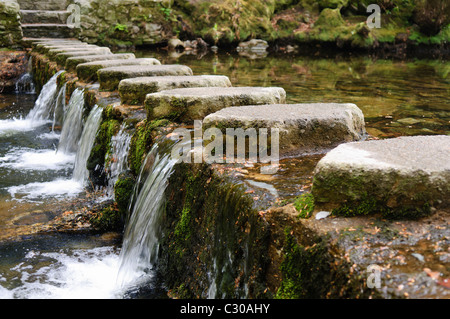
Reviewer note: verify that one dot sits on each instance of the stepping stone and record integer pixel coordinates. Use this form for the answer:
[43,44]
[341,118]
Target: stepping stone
[61,58]
[400,177]
[70,51]
[110,78]
[303,128]
[134,91]
[88,71]
[44,47]
[72,62]
[195,103]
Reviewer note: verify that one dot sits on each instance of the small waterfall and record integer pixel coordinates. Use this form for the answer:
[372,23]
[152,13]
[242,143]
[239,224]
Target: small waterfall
[45,102]
[120,145]
[25,84]
[73,123]
[141,237]
[80,172]
[58,114]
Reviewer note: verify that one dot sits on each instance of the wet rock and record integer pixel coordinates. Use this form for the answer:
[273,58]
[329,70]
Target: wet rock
[400,177]
[254,45]
[110,78]
[88,71]
[190,104]
[303,128]
[72,62]
[61,58]
[134,91]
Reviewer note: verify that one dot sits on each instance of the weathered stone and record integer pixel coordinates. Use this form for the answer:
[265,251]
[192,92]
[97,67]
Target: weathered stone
[195,103]
[62,57]
[134,91]
[110,78]
[72,62]
[88,71]
[405,173]
[303,128]
[81,50]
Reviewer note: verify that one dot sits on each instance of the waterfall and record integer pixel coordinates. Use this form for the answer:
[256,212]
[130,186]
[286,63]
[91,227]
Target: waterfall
[45,102]
[80,172]
[58,114]
[25,84]
[120,144]
[73,123]
[141,237]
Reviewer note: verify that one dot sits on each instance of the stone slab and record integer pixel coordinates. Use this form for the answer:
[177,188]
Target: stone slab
[303,128]
[134,91]
[88,71]
[71,50]
[405,173]
[72,62]
[190,104]
[110,78]
[61,58]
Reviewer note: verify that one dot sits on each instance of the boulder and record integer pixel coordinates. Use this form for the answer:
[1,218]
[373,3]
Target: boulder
[88,71]
[400,177]
[303,128]
[134,91]
[190,104]
[110,78]
[72,62]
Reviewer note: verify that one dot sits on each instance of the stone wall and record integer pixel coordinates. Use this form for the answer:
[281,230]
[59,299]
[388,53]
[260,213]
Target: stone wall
[10,28]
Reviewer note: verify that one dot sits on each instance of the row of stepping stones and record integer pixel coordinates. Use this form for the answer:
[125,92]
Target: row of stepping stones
[402,173]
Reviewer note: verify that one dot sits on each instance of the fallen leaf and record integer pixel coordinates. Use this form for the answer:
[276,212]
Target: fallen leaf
[433,274]
[444,283]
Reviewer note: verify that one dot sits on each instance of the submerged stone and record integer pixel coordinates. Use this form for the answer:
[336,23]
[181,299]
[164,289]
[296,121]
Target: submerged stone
[72,62]
[110,78]
[190,104]
[88,71]
[400,177]
[303,128]
[134,91]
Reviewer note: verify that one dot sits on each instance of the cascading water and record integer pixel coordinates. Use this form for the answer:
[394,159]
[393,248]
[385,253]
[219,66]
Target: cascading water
[120,145]
[60,107]
[73,123]
[25,84]
[45,103]
[141,237]
[80,172]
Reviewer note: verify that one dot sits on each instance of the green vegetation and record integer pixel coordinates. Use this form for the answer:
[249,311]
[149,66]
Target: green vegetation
[305,205]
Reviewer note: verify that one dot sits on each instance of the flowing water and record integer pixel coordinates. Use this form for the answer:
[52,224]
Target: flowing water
[43,164]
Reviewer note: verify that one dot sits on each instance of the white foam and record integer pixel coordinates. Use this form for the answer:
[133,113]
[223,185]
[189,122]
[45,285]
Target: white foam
[28,159]
[60,188]
[16,125]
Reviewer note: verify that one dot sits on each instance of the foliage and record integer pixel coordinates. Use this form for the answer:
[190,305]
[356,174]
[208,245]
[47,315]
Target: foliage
[432,15]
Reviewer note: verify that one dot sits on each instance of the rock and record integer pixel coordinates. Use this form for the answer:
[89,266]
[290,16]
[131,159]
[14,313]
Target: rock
[134,91]
[332,4]
[329,18]
[195,103]
[80,50]
[254,45]
[110,78]
[400,177]
[304,128]
[88,71]
[175,44]
[322,215]
[72,62]
[61,58]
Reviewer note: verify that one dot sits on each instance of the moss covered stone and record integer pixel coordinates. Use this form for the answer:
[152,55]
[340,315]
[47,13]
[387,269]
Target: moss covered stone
[123,190]
[305,205]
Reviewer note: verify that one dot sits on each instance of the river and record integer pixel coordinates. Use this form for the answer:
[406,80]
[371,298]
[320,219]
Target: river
[397,97]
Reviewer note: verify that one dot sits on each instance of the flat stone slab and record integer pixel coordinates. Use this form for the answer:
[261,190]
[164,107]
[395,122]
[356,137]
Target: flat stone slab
[88,71]
[73,62]
[405,174]
[45,48]
[61,58]
[79,50]
[134,91]
[303,128]
[196,103]
[110,78]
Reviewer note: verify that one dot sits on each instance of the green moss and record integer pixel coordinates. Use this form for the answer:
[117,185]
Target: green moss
[305,205]
[141,142]
[108,219]
[123,190]
[304,270]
